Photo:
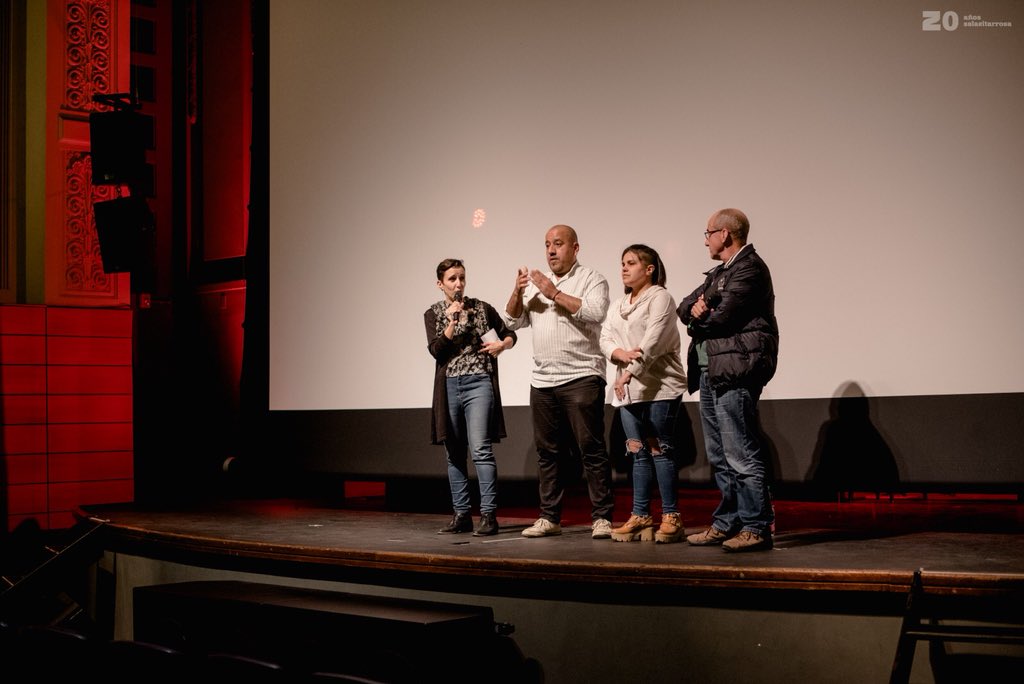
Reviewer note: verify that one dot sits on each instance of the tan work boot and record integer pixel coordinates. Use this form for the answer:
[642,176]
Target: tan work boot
[636,528]
[708,537]
[671,529]
[749,541]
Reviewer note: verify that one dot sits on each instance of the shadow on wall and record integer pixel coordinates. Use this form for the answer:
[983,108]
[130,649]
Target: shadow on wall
[851,454]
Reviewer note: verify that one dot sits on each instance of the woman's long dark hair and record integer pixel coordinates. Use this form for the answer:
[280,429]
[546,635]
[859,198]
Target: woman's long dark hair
[648,257]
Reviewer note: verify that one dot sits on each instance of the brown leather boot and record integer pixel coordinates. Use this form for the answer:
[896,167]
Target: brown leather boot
[636,528]
[709,537]
[671,529]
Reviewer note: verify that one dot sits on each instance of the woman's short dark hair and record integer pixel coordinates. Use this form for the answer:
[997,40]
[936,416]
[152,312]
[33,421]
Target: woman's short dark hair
[446,264]
[648,257]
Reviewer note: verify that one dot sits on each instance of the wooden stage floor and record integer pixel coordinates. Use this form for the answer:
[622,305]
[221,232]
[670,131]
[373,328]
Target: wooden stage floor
[859,554]
[829,603]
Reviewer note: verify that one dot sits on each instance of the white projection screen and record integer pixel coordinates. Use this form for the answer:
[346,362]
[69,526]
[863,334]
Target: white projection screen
[876,146]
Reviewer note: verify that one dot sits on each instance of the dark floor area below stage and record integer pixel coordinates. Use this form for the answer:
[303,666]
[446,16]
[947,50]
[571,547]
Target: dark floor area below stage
[839,568]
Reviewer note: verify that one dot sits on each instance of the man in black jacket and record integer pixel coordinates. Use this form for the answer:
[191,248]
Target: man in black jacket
[734,346]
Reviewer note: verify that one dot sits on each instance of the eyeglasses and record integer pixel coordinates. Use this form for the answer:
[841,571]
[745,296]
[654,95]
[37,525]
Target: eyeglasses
[709,233]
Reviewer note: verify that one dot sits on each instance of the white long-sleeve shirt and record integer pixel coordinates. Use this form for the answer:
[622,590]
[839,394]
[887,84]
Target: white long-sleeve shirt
[648,324]
[566,346]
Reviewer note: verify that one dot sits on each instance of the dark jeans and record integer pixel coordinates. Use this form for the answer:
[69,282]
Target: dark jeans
[565,416]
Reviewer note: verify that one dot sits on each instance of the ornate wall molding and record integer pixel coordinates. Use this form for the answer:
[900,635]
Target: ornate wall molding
[88,58]
[93,43]
[83,270]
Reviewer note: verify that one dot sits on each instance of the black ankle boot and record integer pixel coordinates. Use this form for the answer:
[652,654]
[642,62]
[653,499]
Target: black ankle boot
[488,525]
[461,522]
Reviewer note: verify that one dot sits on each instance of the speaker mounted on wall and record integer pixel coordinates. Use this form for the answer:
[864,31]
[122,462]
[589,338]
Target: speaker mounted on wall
[117,147]
[119,226]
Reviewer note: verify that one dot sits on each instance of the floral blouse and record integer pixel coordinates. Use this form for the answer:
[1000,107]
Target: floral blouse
[467,358]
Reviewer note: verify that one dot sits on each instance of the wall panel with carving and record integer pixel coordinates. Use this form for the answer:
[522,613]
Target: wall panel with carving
[87,55]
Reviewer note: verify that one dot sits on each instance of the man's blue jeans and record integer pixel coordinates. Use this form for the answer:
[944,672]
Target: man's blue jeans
[729,419]
[652,420]
[470,402]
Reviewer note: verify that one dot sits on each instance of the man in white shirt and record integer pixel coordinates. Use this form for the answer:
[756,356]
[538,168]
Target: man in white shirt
[565,308]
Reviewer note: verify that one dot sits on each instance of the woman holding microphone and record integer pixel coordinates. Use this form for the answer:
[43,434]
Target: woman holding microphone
[465,337]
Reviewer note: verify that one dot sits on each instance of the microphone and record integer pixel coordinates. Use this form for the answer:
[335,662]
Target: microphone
[458,298]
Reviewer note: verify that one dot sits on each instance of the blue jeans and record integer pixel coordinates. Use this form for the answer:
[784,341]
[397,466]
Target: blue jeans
[729,419]
[652,421]
[470,402]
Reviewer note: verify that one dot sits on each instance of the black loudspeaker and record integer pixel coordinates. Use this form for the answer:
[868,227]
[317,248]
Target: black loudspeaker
[119,226]
[117,147]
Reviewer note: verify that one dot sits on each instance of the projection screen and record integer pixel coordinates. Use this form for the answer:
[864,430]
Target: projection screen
[875,146]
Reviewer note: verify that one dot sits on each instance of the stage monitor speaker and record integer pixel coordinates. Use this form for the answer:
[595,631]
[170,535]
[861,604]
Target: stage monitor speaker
[117,147]
[119,226]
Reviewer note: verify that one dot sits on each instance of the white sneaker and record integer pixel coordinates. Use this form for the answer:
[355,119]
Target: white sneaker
[601,529]
[543,528]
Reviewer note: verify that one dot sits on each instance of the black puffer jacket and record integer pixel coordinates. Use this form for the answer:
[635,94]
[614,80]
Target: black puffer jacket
[741,332]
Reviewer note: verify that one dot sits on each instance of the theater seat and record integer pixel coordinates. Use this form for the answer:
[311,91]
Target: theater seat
[339,678]
[51,653]
[244,668]
[139,661]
